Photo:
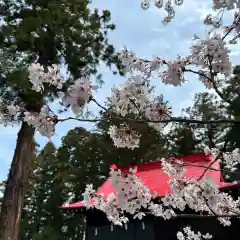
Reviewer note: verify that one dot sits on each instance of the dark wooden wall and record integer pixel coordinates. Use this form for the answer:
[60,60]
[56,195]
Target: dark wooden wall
[99,228]
[157,228]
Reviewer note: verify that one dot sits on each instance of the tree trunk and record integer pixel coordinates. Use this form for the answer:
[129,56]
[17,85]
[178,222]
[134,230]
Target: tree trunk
[13,200]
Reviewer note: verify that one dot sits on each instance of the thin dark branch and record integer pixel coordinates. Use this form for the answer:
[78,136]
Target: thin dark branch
[80,120]
[211,80]
[172,119]
[196,72]
[206,201]
[98,104]
[212,75]
[215,160]
[235,23]
[227,33]
[211,168]
[206,216]
[133,102]
[220,94]
[192,215]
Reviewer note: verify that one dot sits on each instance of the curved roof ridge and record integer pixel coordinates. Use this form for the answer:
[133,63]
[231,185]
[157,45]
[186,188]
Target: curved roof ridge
[194,158]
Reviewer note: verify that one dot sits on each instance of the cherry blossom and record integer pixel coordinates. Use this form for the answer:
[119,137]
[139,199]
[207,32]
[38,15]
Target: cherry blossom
[212,52]
[130,97]
[212,55]
[229,4]
[8,112]
[78,95]
[229,159]
[131,196]
[174,74]
[168,6]
[135,96]
[44,122]
[124,137]
[157,110]
[188,234]
[131,63]
[38,76]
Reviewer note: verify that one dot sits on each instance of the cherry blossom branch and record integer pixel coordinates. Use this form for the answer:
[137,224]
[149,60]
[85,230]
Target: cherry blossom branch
[215,160]
[172,119]
[207,204]
[206,216]
[210,168]
[98,104]
[232,27]
[219,93]
[211,80]
[192,215]
[79,119]
[214,84]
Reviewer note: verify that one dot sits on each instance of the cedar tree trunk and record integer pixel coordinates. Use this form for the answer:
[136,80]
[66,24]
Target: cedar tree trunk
[13,200]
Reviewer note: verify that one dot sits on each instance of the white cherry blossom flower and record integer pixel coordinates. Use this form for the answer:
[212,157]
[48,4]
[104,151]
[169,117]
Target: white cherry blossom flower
[189,234]
[130,97]
[38,76]
[212,51]
[124,137]
[78,95]
[44,122]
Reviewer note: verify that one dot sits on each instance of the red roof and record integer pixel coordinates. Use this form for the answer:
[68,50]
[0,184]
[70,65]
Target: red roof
[157,181]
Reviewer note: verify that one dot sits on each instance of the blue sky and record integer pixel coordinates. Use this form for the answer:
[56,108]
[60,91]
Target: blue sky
[142,32]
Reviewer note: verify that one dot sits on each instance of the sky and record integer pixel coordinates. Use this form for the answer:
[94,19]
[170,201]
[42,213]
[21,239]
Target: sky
[143,33]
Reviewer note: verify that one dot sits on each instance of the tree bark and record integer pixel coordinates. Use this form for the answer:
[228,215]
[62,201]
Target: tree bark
[13,200]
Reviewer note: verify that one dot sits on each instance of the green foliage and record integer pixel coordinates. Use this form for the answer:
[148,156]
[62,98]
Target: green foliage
[47,234]
[49,32]
[46,192]
[186,139]
[207,106]
[57,175]
[86,153]
[232,92]
[181,140]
